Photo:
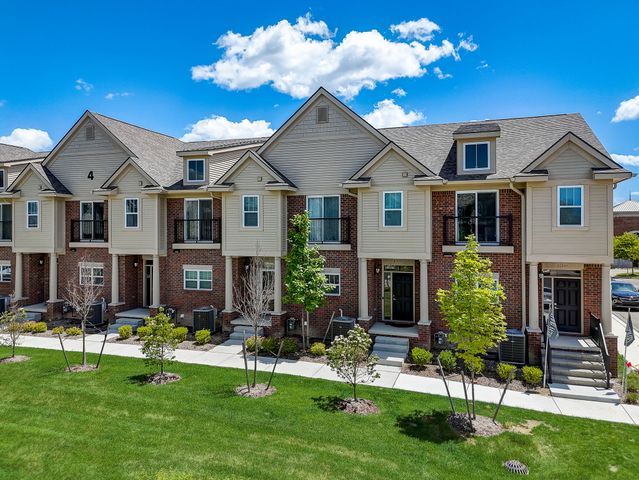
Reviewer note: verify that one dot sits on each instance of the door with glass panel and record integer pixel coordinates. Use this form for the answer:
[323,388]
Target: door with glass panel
[92,221]
[324,215]
[477,214]
[198,225]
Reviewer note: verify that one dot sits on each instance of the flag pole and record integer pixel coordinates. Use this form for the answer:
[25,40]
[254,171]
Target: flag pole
[546,354]
[625,370]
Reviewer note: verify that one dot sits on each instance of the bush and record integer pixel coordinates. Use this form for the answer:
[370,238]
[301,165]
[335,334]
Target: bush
[632,398]
[180,333]
[201,336]
[39,327]
[318,349]
[633,382]
[73,331]
[506,371]
[475,365]
[58,330]
[270,344]
[289,346]
[29,326]
[421,356]
[125,331]
[532,375]
[143,332]
[448,360]
[250,343]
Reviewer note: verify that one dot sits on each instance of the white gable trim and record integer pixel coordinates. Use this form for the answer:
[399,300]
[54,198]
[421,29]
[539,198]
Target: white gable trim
[129,162]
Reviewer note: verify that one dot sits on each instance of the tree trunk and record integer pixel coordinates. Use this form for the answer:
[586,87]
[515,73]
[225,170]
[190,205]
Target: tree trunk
[84,341]
[13,348]
[472,390]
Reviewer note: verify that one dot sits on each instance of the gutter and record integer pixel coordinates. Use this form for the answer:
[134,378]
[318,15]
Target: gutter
[524,310]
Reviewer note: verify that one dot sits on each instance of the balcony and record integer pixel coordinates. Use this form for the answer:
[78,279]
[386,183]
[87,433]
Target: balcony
[206,230]
[90,231]
[488,230]
[5,231]
[330,230]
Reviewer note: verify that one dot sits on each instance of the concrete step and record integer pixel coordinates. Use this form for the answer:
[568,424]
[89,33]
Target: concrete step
[580,392]
[381,339]
[585,356]
[392,347]
[240,332]
[33,317]
[575,363]
[577,372]
[387,357]
[133,322]
[587,382]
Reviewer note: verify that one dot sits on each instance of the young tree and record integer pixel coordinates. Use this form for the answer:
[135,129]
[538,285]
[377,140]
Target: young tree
[160,343]
[473,307]
[349,358]
[11,326]
[626,247]
[251,300]
[81,296]
[305,280]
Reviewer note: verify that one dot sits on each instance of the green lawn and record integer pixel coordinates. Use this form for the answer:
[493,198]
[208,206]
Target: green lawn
[105,424]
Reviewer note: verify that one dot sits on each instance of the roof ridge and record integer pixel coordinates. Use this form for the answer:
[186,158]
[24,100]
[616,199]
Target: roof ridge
[483,121]
[135,126]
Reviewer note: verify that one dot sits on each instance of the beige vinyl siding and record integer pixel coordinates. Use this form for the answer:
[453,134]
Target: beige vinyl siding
[390,170]
[79,156]
[318,157]
[569,164]
[42,238]
[219,163]
[12,173]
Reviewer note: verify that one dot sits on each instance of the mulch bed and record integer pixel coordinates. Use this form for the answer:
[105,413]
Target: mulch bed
[480,426]
[258,391]
[162,378]
[361,406]
[16,359]
[82,368]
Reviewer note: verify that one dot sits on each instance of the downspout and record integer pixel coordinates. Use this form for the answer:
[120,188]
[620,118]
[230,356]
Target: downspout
[524,310]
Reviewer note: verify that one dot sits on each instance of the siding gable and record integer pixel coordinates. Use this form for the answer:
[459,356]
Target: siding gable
[246,177]
[390,170]
[571,162]
[130,180]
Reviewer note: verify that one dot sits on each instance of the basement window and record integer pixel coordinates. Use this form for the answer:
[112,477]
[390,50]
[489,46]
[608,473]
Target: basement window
[322,114]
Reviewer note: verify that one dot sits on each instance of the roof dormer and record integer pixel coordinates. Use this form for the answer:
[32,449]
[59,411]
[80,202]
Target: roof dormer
[477,148]
[196,171]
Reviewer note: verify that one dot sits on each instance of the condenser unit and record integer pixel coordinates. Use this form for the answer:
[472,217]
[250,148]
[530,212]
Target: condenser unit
[96,317]
[513,349]
[341,325]
[5,304]
[206,319]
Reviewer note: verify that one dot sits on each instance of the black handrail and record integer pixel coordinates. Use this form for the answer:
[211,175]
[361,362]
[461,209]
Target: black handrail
[199,230]
[598,336]
[5,231]
[330,230]
[488,229]
[89,231]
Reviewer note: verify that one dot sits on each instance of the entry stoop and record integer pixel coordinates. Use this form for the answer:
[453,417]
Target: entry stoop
[391,351]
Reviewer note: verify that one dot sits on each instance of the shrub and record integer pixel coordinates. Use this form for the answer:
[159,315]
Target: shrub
[474,365]
[180,333]
[506,371]
[143,332]
[318,349]
[632,398]
[125,331]
[250,343]
[289,346]
[532,375]
[421,356]
[202,336]
[58,330]
[270,344]
[73,331]
[633,382]
[39,327]
[29,326]
[448,360]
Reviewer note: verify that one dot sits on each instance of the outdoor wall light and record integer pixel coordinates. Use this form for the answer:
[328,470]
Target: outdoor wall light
[40,262]
[377,269]
[135,264]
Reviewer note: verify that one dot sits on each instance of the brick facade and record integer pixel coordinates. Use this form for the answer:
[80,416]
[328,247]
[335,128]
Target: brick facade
[6,288]
[625,223]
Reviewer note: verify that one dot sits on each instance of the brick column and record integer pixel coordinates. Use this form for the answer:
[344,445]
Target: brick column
[611,343]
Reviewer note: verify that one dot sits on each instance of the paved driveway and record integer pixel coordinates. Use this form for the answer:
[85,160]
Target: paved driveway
[619,320]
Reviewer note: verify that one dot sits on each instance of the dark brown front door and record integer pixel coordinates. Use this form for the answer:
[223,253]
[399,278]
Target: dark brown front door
[568,304]
[402,297]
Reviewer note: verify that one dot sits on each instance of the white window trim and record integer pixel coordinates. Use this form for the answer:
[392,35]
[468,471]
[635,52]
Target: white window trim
[244,212]
[93,267]
[137,213]
[198,269]
[190,180]
[582,206]
[339,213]
[384,209]
[465,144]
[3,265]
[334,271]
[457,193]
[37,202]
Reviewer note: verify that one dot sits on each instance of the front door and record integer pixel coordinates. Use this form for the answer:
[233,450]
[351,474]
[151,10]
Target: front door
[148,283]
[567,296]
[402,297]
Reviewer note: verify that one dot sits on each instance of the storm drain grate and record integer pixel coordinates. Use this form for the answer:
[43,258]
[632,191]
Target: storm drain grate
[515,466]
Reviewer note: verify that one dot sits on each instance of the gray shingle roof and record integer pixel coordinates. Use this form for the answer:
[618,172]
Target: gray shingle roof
[13,153]
[477,128]
[521,141]
[219,144]
[629,206]
[56,184]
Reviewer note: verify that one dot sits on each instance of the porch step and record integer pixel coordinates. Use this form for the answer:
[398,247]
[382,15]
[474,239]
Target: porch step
[572,380]
[569,343]
[587,356]
[577,372]
[390,358]
[242,331]
[133,322]
[33,317]
[576,363]
[580,392]
[391,351]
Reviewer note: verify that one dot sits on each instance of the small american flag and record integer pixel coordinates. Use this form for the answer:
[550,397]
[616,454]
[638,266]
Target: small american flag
[630,333]
[551,326]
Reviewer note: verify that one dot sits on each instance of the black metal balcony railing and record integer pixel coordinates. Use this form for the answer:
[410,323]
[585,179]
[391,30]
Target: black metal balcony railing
[89,231]
[5,231]
[205,230]
[488,230]
[330,230]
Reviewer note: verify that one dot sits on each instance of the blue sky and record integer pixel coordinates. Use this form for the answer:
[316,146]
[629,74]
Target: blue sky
[549,57]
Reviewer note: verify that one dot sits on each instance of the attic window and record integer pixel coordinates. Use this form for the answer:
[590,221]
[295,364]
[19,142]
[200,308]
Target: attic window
[89,132]
[322,114]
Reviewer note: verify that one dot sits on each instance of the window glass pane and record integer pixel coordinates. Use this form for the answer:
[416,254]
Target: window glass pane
[131,220]
[487,204]
[196,170]
[206,209]
[393,200]
[250,219]
[465,204]
[250,204]
[6,212]
[333,280]
[570,196]
[132,205]
[190,274]
[393,218]
[206,275]
[482,156]
[315,207]
[570,216]
[190,284]
[86,211]
[205,285]
[470,156]
[32,208]
[331,207]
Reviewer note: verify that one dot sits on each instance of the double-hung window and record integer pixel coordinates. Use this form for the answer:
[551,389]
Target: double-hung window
[393,215]
[250,211]
[92,221]
[477,214]
[476,156]
[6,213]
[5,271]
[324,215]
[198,222]
[92,274]
[131,213]
[198,278]
[570,206]
[33,214]
[333,281]
[2,177]
[195,170]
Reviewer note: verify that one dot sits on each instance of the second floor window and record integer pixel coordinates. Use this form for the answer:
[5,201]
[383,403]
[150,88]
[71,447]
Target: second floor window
[131,212]
[2,176]
[198,216]
[476,156]
[195,170]
[324,215]
[33,214]
[571,206]
[393,209]
[5,221]
[477,215]
[250,211]
[92,221]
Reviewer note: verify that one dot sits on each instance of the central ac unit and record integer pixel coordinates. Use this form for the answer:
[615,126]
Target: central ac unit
[513,349]
[206,319]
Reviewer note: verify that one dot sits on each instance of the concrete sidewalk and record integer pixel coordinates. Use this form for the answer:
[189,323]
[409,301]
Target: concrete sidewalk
[390,377]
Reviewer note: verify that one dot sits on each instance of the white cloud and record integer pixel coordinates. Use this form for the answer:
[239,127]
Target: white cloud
[112,95]
[630,160]
[220,128]
[30,138]
[83,86]
[627,110]
[483,64]
[297,58]
[422,29]
[441,75]
[388,114]
[399,92]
